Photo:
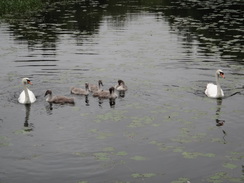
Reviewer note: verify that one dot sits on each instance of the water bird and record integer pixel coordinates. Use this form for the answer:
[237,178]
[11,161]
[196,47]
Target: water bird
[215,91]
[58,99]
[121,86]
[104,94]
[93,88]
[26,96]
[96,93]
[81,91]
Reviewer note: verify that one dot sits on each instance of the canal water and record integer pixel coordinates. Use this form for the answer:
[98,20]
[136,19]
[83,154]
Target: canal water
[163,129]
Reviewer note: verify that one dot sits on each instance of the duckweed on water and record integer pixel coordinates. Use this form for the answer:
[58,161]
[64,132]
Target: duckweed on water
[138,158]
[220,177]
[4,141]
[141,121]
[101,135]
[193,155]
[10,6]
[229,166]
[110,116]
[180,180]
[102,156]
[145,175]
[121,153]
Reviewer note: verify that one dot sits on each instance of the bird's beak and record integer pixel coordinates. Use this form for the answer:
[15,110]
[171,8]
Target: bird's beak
[222,75]
[29,82]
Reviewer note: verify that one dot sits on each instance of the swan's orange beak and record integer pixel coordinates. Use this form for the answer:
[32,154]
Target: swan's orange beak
[222,75]
[29,82]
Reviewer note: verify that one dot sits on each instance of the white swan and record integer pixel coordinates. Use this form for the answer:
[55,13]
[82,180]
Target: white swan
[215,91]
[121,86]
[26,96]
[58,99]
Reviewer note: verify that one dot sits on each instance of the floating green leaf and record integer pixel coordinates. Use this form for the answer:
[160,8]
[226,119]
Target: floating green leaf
[193,155]
[145,175]
[102,156]
[138,158]
[108,149]
[121,153]
[229,165]
[82,182]
[181,180]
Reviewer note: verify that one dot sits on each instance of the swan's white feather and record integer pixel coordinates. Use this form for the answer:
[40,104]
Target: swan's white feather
[211,91]
[22,100]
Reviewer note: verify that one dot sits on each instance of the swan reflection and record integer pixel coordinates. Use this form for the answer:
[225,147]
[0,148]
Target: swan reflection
[28,126]
[220,122]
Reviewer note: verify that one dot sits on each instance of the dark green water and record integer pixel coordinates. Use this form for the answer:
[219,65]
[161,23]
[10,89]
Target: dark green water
[163,130]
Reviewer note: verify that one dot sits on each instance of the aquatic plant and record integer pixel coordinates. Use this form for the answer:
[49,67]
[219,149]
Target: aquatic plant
[18,6]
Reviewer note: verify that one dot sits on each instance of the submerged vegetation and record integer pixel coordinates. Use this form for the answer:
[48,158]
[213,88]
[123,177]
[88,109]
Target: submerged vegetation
[8,7]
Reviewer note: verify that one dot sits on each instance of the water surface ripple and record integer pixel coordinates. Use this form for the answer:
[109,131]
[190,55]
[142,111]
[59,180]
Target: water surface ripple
[161,130]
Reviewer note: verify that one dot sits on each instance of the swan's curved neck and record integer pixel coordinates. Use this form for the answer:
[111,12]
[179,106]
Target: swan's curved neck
[27,97]
[218,85]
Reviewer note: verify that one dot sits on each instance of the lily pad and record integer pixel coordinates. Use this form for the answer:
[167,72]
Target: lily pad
[121,153]
[180,180]
[145,175]
[138,158]
[102,156]
[229,166]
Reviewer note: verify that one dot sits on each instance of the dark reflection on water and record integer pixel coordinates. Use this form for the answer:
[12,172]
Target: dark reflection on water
[28,126]
[219,122]
[217,24]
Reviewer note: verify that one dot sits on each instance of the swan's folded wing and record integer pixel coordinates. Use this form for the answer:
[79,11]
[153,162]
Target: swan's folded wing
[211,90]
[21,98]
[32,96]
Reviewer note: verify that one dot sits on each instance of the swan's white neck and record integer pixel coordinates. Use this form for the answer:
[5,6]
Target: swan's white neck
[218,86]
[27,97]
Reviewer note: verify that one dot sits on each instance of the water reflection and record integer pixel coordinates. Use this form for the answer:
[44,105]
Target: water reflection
[49,108]
[28,126]
[212,22]
[87,100]
[220,122]
[111,102]
[121,94]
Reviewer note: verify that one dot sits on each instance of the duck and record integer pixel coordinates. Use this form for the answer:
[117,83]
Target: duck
[81,91]
[214,90]
[121,86]
[26,96]
[108,94]
[58,99]
[93,88]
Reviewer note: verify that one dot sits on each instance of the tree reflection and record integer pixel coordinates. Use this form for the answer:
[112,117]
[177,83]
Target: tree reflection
[211,22]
